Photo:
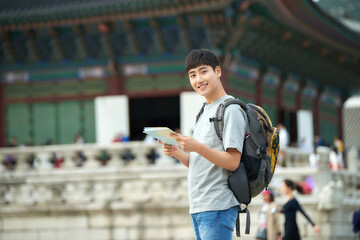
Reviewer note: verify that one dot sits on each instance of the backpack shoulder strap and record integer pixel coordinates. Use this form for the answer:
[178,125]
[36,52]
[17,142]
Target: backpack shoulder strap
[220,112]
[200,112]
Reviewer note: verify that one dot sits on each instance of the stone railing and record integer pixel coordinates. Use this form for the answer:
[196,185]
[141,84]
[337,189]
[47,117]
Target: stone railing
[295,157]
[90,156]
[348,183]
[120,192]
[86,156]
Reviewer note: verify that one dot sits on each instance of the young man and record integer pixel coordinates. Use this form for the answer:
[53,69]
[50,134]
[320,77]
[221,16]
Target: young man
[213,207]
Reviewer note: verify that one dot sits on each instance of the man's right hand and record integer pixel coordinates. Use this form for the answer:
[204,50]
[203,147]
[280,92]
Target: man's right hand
[175,151]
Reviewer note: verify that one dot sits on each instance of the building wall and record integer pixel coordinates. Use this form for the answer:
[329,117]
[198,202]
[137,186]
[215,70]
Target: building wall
[42,122]
[66,95]
[351,116]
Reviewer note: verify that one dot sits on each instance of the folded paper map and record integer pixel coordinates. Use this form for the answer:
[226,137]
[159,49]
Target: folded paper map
[161,133]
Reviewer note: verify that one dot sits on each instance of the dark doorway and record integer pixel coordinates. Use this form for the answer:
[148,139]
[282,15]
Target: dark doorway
[289,120]
[153,112]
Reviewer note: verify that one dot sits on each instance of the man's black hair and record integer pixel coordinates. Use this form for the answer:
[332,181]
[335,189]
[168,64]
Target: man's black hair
[199,57]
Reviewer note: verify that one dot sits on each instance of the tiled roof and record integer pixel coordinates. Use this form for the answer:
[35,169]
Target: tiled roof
[308,41]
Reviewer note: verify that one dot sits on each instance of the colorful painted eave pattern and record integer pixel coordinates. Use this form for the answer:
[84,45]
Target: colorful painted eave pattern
[43,13]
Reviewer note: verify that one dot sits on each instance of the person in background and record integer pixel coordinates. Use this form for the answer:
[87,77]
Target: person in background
[318,141]
[307,186]
[314,159]
[289,210]
[126,138]
[13,142]
[78,139]
[127,156]
[10,160]
[149,139]
[80,157]
[356,217]
[334,162]
[152,156]
[303,145]
[118,138]
[284,142]
[57,160]
[269,227]
[339,145]
[356,222]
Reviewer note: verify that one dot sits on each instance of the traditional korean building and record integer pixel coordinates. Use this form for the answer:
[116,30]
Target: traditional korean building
[57,56]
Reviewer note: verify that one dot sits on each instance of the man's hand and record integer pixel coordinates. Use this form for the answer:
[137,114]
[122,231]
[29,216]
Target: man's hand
[174,151]
[187,144]
[169,150]
[229,159]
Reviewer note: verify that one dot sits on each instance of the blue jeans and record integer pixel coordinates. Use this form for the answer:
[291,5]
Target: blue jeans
[214,225]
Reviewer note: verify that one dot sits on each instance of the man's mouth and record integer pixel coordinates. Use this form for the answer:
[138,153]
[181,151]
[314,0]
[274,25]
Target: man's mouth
[202,86]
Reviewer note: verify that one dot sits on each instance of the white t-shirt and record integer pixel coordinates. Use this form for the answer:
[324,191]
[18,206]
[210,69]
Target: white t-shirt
[262,216]
[207,183]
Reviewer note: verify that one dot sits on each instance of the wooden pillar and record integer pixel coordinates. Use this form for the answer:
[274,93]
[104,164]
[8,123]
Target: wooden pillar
[298,104]
[316,115]
[113,86]
[258,89]
[116,85]
[2,117]
[340,122]
[279,104]
[116,82]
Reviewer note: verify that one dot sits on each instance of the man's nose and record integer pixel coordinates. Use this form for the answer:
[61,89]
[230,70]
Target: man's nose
[199,79]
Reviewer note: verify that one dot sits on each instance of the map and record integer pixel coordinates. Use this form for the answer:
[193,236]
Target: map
[162,134]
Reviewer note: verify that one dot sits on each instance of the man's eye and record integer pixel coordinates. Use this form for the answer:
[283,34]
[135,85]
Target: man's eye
[203,72]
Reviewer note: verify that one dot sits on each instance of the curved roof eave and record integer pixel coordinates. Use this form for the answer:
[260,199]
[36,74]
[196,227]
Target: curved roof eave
[305,17]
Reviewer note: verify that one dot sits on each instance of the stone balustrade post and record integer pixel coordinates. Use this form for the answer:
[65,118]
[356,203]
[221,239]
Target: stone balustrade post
[115,162]
[21,164]
[353,189]
[44,163]
[91,161]
[140,150]
[2,158]
[68,159]
[323,175]
[353,160]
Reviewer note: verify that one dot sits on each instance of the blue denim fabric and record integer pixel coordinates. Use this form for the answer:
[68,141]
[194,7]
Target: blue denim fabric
[214,225]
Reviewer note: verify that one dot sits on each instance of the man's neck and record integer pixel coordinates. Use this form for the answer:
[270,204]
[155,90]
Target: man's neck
[215,97]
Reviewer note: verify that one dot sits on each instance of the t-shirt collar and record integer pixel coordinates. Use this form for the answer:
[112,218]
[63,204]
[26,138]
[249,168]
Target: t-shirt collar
[217,102]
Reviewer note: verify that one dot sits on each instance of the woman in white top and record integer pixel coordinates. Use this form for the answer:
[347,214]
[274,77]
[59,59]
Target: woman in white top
[269,228]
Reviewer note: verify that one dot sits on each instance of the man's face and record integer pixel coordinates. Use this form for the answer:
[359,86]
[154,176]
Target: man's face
[204,80]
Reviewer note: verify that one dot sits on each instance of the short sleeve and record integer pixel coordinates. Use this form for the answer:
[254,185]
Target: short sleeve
[234,128]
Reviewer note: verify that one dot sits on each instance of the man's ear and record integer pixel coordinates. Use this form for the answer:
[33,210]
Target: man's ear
[218,71]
